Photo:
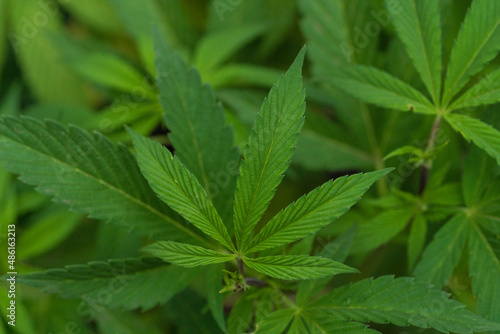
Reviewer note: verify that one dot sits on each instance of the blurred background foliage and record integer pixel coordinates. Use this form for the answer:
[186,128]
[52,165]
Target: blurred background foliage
[91,63]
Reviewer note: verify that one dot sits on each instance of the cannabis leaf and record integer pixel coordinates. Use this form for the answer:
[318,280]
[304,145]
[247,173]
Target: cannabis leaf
[477,43]
[294,267]
[180,189]
[270,148]
[198,131]
[69,163]
[128,283]
[314,210]
[186,255]
[401,301]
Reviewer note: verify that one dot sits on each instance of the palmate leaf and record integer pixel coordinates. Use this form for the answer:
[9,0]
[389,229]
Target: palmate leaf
[270,148]
[443,253]
[374,86]
[177,187]
[126,283]
[483,135]
[418,26]
[198,131]
[477,43]
[401,301]
[314,210]
[185,255]
[295,267]
[89,174]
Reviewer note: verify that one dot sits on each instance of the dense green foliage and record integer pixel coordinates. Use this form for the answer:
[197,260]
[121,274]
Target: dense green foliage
[171,177]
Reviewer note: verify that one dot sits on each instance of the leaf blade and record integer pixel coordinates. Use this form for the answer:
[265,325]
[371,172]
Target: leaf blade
[377,87]
[478,42]
[314,210]
[418,26]
[270,148]
[177,187]
[401,301]
[293,267]
[69,163]
[185,255]
[483,135]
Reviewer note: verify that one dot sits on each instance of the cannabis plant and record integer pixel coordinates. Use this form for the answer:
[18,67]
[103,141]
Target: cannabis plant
[182,172]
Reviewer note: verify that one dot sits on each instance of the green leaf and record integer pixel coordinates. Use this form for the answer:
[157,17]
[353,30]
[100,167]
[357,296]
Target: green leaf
[270,148]
[88,173]
[245,75]
[198,131]
[127,283]
[124,323]
[477,43]
[484,268]
[377,87]
[486,91]
[218,46]
[177,187]
[139,18]
[328,322]
[275,322]
[416,239]
[314,210]
[443,253]
[401,301]
[46,75]
[418,25]
[381,228]
[483,135]
[186,255]
[295,267]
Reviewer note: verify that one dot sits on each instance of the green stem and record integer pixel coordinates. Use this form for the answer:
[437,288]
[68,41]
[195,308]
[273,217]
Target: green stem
[431,144]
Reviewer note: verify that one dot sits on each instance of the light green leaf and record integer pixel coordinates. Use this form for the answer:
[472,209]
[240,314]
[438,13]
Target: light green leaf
[89,174]
[381,228]
[483,135]
[198,131]
[314,210]
[177,187]
[129,283]
[46,75]
[110,71]
[106,22]
[401,301]
[486,91]
[484,268]
[218,46]
[275,322]
[377,87]
[245,75]
[443,253]
[270,148]
[416,239]
[418,25]
[185,255]
[140,18]
[477,43]
[295,267]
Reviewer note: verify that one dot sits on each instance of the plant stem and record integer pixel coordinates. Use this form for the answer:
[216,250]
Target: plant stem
[431,144]
[241,268]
